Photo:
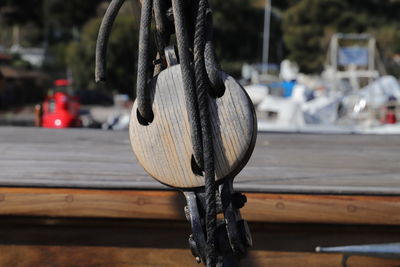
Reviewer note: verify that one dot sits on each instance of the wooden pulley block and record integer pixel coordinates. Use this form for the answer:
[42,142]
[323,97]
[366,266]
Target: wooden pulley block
[164,147]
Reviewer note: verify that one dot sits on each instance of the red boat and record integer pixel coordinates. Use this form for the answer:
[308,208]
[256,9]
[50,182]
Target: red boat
[60,110]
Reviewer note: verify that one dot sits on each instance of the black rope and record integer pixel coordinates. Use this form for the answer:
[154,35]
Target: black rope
[142,94]
[203,88]
[163,28]
[163,32]
[103,36]
[212,66]
[188,79]
[192,31]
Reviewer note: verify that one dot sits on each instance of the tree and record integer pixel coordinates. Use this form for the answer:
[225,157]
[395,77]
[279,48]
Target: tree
[235,40]
[238,32]
[121,58]
[71,13]
[64,19]
[21,11]
[305,25]
[309,24]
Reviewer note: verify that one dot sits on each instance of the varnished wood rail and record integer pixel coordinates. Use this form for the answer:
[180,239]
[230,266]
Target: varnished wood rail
[136,204]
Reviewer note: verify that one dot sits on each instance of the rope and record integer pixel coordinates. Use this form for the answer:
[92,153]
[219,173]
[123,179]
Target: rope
[203,88]
[193,33]
[103,36]
[163,32]
[183,43]
[212,65]
[196,93]
[142,94]
[163,28]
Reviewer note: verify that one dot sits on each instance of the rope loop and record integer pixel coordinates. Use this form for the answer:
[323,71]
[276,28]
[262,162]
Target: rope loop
[142,92]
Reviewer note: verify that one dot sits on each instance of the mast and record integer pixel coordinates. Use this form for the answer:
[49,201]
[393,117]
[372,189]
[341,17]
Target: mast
[266,35]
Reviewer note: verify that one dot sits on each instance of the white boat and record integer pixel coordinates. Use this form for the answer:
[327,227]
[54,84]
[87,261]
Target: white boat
[352,95]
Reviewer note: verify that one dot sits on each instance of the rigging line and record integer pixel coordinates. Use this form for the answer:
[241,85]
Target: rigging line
[203,87]
[163,27]
[163,32]
[102,38]
[188,80]
[212,65]
[142,94]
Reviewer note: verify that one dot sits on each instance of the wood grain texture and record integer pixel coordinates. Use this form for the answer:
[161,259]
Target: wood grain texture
[293,259]
[169,205]
[91,203]
[164,147]
[323,209]
[284,163]
[81,256]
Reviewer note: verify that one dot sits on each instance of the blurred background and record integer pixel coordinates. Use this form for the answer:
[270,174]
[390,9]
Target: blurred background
[308,65]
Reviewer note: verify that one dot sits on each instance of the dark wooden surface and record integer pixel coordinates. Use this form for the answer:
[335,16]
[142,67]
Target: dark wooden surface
[50,256]
[126,243]
[286,163]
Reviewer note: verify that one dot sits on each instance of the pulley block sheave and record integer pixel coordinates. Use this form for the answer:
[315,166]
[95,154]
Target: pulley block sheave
[163,146]
[192,126]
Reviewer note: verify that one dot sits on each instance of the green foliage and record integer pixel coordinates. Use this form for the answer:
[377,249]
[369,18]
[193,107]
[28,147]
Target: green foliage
[389,43]
[53,20]
[59,13]
[304,29]
[19,63]
[69,13]
[389,38]
[121,57]
[237,41]
[238,32]
[57,62]
[21,11]
[309,24]
[5,34]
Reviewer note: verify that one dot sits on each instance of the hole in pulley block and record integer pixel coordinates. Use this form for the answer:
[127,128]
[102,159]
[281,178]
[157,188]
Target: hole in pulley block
[217,92]
[196,169]
[143,121]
